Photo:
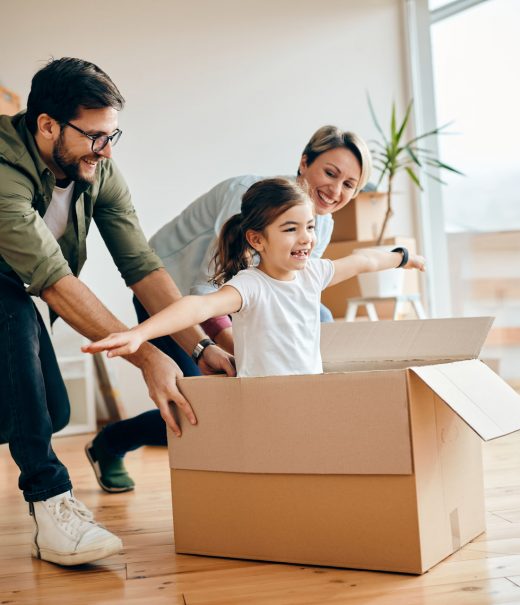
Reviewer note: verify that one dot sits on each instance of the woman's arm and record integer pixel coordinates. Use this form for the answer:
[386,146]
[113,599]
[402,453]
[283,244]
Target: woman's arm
[187,311]
[366,261]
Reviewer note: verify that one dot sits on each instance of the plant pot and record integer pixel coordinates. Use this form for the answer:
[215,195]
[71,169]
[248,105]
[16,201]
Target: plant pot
[381,284]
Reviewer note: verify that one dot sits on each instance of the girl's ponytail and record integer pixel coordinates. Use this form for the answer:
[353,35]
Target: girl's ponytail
[233,253]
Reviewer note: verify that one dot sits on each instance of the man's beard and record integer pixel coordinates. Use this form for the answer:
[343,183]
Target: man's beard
[70,168]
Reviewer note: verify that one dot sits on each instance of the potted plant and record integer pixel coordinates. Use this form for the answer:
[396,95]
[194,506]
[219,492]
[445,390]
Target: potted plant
[394,154]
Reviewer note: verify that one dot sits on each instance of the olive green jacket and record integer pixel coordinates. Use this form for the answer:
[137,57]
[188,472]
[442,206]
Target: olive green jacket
[26,244]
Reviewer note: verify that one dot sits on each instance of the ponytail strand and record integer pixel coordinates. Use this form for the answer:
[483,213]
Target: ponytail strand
[233,252]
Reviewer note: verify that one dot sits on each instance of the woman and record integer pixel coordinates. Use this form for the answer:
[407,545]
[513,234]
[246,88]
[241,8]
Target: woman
[334,168]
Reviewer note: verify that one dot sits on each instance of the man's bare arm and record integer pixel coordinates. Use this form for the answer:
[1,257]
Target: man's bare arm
[76,304]
[72,300]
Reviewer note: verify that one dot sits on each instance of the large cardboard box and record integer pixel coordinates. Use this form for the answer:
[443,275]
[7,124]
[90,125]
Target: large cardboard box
[375,464]
[361,219]
[336,297]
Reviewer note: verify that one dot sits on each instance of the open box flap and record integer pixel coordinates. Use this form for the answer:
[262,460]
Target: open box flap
[481,398]
[431,340]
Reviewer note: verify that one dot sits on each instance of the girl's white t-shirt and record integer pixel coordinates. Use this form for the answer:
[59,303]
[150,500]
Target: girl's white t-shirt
[277,330]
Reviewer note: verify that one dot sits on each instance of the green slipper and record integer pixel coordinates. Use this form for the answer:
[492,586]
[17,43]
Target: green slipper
[110,470]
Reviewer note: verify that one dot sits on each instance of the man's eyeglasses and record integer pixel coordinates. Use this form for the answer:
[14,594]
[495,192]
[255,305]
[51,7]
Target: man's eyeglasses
[99,141]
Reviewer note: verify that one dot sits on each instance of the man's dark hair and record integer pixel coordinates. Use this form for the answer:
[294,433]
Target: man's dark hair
[65,85]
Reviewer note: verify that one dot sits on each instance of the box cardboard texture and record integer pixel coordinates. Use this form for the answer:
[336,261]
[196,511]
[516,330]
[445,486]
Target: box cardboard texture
[335,297]
[361,219]
[375,464]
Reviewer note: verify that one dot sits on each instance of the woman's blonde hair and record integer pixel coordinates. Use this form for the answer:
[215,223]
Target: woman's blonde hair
[331,137]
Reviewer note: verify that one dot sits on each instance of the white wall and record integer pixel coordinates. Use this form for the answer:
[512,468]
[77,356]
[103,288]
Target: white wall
[214,88]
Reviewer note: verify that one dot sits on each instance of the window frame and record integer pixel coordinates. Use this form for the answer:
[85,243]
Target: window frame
[429,218]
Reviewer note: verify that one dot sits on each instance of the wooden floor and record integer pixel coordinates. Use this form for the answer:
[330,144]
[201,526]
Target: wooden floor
[148,572]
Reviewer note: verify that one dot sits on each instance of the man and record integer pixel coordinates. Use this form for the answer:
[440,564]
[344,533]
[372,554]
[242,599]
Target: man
[56,174]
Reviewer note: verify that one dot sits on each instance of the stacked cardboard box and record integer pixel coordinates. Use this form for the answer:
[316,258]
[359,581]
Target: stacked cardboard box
[375,464]
[361,218]
[335,297]
[357,226]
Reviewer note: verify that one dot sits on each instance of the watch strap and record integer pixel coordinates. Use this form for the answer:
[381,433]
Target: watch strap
[199,349]
[406,256]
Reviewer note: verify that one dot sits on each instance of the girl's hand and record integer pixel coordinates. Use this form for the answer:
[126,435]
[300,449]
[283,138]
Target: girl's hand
[415,262]
[120,343]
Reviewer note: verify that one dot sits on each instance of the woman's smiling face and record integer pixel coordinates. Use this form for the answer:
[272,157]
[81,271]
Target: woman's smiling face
[332,178]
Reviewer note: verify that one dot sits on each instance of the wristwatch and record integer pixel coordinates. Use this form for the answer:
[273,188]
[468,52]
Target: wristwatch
[404,252]
[199,348]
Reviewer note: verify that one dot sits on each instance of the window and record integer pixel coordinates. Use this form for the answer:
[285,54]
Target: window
[476,85]
[475,60]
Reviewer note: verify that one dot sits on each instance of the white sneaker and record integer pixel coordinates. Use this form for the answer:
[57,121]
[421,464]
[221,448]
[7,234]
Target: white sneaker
[67,534]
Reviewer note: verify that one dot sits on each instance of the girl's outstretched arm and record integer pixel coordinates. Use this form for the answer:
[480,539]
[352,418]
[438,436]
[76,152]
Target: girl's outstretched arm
[366,260]
[186,312]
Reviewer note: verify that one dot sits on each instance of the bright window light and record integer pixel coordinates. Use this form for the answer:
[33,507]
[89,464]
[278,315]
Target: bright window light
[475,60]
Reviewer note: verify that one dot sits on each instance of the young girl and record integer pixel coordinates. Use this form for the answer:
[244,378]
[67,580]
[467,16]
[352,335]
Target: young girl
[275,304]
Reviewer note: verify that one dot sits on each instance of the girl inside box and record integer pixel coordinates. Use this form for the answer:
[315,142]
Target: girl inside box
[268,284]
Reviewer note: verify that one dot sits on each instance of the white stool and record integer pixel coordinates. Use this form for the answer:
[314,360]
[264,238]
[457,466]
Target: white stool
[368,302]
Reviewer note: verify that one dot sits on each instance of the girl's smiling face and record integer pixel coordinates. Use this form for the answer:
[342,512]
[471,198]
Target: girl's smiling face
[332,179]
[286,244]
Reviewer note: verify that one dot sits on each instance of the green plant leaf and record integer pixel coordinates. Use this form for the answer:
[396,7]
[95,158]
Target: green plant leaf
[430,133]
[374,118]
[381,165]
[449,168]
[405,120]
[435,178]
[421,150]
[413,155]
[393,132]
[438,164]
[386,167]
[380,180]
[414,177]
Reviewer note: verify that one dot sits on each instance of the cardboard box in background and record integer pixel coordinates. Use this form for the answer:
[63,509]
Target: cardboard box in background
[374,465]
[335,297]
[9,102]
[361,219]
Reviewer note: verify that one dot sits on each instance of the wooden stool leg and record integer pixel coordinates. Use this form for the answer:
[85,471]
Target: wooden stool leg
[419,309]
[351,313]
[371,310]
[397,308]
